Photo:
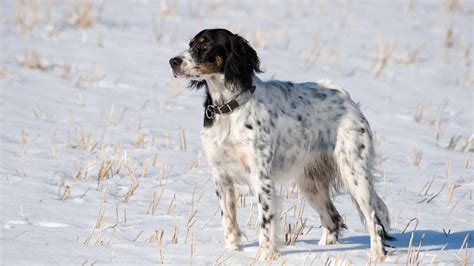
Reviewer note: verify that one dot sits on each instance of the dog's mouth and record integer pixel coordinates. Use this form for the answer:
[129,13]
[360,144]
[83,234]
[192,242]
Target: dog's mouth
[180,74]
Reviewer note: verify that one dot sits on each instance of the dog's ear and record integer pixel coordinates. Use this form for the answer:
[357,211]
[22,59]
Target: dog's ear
[241,63]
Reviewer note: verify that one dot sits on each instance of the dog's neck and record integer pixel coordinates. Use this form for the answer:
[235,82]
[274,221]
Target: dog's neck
[221,92]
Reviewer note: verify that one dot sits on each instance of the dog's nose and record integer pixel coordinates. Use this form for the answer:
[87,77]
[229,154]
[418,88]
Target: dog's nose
[175,61]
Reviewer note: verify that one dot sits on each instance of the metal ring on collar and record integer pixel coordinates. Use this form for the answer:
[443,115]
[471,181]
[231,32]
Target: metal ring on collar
[210,113]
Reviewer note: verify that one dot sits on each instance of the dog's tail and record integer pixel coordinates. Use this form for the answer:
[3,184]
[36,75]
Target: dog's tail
[382,212]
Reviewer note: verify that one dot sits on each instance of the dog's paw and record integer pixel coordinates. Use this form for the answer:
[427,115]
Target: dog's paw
[232,246]
[328,238]
[270,254]
[377,255]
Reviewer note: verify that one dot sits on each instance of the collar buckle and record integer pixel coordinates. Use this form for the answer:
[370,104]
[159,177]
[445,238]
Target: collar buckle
[228,107]
[210,111]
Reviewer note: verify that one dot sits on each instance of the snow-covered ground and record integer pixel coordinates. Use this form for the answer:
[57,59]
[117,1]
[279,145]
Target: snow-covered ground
[100,152]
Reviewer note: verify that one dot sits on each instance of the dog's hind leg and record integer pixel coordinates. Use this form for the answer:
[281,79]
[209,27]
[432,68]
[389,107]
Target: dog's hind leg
[315,183]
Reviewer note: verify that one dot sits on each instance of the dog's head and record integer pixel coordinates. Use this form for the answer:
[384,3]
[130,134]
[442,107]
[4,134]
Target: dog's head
[215,52]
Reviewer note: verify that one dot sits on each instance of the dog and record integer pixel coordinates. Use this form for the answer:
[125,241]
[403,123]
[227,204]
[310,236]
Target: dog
[261,132]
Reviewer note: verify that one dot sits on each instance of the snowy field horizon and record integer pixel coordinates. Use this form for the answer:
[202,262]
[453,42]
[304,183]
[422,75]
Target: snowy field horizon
[101,160]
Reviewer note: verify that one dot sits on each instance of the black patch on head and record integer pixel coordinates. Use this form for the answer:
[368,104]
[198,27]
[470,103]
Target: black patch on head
[249,126]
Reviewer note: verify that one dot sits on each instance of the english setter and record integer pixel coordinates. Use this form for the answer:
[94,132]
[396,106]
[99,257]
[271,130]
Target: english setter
[261,132]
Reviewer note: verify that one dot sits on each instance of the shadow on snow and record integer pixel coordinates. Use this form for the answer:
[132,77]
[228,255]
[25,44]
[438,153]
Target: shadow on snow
[432,241]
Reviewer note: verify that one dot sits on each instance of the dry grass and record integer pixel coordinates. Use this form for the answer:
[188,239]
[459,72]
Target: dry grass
[143,142]
[182,139]
[87,78]
[101,218]
[416,157]
[449,195]
[24,141]
[165,170]
[448,39]
[448,169]
[85,142]
[81,13]
[157,31]
[166,9]
[172,204]
[467,162]
[65,68]
[464,260]
[452,5]
[154,203]
[412,55]
[26,15]
[105,170]
[384,52]
[195,162]
[313,53]
[32,60]
[413,253]
[134,183]
[418,113]
[453,141]
[5,73]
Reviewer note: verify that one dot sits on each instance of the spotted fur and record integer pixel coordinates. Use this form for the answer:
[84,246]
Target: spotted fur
[313,132]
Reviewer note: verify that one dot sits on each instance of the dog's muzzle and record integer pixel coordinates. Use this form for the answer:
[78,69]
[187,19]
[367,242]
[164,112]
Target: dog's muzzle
[175,64]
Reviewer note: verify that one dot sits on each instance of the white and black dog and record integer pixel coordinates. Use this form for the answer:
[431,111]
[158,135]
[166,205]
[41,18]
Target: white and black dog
[262,132]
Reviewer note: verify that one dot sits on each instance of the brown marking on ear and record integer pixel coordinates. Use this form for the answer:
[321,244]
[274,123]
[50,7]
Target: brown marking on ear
[219,60]
[208,68]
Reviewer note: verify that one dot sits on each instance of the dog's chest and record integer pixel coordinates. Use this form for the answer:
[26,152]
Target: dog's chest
[227,152]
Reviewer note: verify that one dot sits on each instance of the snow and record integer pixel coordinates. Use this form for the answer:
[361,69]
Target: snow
[104,93]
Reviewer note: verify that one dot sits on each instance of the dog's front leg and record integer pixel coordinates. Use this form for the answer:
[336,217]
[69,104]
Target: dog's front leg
[264,188]
[225,191]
